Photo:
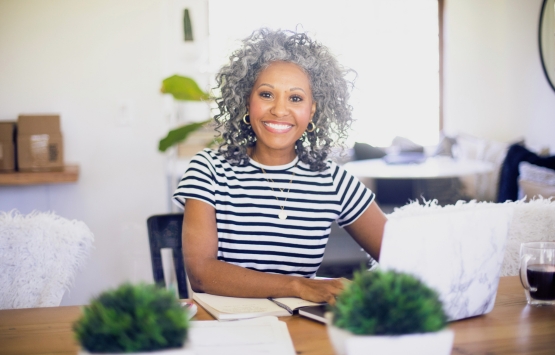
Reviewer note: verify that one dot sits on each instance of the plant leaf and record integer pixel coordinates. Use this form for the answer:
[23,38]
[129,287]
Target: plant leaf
[183,88]
[179,134]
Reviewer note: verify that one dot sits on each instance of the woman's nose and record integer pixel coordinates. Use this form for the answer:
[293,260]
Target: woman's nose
[280,107]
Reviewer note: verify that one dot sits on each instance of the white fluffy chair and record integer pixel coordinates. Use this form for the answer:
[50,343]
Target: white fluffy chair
[40,254]
[532,221]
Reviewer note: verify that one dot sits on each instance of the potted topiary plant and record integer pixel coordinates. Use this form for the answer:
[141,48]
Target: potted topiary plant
[133,319]
[388,312]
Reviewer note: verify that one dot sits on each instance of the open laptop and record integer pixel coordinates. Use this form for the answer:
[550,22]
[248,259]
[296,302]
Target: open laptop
[456,250]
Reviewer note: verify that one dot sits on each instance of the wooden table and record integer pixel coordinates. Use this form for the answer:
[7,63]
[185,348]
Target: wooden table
[511,328]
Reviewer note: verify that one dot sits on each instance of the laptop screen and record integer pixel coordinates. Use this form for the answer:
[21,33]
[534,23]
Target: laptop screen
[456,250]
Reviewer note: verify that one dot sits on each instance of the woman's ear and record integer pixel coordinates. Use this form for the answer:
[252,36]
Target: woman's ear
[313,110]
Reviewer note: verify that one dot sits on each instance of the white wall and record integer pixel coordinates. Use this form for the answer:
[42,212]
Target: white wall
[495,87]
[84,60]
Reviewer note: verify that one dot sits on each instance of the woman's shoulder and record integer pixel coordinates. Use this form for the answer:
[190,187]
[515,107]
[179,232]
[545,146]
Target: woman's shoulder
[208,155]
[216,161]
[336,170]
[330,169]
[339,172]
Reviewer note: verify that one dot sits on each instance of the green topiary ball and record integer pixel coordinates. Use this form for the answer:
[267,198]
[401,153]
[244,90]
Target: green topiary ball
[388,303]
[132,318]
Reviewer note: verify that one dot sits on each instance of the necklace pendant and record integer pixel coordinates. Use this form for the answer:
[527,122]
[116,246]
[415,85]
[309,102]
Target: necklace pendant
[282,215]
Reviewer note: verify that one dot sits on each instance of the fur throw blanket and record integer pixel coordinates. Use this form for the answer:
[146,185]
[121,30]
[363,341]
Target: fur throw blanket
[533,221]
[40,254]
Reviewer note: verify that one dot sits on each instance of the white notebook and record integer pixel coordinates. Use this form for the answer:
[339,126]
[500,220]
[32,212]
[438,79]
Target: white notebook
[229,308]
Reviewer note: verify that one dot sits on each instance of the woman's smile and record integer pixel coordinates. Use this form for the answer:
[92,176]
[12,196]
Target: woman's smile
[277,127]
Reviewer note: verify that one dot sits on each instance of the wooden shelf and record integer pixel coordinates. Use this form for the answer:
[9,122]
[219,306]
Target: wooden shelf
[70,173]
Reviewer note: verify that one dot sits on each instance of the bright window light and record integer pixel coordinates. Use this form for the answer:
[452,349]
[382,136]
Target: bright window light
[391,44]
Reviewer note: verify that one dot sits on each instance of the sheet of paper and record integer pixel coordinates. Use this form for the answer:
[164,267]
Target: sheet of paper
[238,305]
[259,336]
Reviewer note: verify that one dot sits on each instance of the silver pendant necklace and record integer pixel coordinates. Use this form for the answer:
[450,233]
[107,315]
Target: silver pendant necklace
[282,214]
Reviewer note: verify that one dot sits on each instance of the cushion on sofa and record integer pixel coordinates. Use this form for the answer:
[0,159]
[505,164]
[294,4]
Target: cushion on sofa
[482,187]
[535,181]
[508,179]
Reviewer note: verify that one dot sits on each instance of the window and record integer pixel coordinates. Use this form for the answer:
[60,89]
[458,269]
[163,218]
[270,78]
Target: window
[391,44]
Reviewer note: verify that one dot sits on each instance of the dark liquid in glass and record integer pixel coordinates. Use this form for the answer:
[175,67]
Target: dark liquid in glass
[542,277]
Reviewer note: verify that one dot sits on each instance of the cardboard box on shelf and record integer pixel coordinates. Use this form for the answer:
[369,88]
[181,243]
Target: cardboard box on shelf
[7,146]
[39,143]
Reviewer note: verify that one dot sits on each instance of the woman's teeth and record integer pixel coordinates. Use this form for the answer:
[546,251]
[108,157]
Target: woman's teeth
[278,126]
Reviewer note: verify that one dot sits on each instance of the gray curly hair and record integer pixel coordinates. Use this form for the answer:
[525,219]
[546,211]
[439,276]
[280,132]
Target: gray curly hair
[329,84]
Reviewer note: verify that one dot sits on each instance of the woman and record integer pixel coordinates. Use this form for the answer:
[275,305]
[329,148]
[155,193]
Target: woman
[259,210]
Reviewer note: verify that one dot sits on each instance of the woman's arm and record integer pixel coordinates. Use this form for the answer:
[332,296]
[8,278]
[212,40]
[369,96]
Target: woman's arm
[207,274]
[368,229]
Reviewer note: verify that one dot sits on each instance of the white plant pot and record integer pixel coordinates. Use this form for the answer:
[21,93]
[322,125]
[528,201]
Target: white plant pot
[347,343]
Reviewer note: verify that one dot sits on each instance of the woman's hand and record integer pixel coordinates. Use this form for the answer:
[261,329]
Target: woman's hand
[321,290]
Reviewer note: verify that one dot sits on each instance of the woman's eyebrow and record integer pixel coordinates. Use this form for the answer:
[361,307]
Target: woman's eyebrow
[296,88]
[264,84]
[291,89]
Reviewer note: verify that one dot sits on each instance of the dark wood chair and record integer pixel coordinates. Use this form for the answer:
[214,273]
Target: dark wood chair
[164,231]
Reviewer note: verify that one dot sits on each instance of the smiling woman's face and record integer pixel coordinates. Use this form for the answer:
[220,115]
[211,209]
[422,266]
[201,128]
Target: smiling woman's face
[280,108]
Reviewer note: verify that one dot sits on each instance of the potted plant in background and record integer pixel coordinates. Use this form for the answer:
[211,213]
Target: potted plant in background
[184,89]
[388,312]
[133,319]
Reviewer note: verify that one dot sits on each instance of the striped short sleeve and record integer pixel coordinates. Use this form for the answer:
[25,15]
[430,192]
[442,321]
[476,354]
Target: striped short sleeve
[354,196]
[198,182]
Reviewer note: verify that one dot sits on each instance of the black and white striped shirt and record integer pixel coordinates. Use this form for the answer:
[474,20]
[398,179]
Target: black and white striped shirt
[250,234]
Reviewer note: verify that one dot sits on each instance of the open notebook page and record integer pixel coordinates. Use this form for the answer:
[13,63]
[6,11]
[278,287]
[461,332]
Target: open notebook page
[226,308]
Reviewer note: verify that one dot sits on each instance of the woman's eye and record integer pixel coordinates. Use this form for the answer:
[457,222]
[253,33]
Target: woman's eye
[265,95]
[296,98]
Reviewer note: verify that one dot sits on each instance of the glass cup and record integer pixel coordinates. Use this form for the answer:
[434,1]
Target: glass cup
[537,272]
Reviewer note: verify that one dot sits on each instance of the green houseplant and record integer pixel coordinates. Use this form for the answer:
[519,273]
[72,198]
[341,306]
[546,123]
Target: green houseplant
[132,318]
[391,309]
[182,88]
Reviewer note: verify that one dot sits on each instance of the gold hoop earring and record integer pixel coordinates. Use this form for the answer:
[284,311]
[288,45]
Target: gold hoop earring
[248,123]
[313,127]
